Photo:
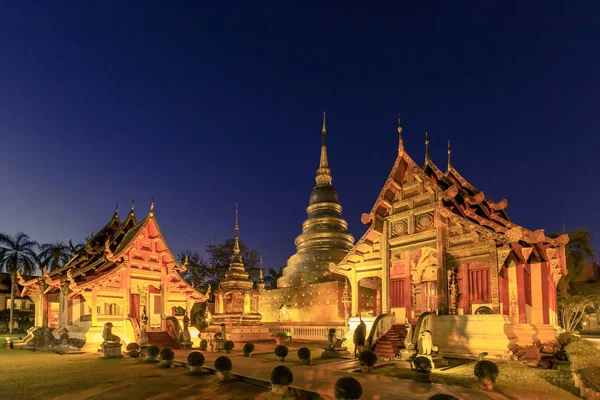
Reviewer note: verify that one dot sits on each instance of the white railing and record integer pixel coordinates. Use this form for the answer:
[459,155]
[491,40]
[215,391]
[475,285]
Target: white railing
[381,326]
[308,332]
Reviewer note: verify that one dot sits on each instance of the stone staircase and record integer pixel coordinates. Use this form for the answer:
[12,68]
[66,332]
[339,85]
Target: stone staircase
[161,340]
[389,344]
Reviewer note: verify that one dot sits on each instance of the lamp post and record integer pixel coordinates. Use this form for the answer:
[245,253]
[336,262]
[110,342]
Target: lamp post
[346,300]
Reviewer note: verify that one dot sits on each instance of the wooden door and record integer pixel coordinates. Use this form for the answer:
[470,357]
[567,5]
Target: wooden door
[134,306]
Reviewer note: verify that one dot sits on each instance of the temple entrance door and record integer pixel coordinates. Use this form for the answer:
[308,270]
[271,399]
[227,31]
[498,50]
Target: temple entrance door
[134,306]
[427,298]
[155,312]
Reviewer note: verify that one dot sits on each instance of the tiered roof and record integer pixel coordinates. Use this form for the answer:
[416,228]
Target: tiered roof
[103,255]
[458,200]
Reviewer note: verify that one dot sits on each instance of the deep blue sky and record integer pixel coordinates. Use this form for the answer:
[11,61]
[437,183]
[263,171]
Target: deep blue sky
[200,107]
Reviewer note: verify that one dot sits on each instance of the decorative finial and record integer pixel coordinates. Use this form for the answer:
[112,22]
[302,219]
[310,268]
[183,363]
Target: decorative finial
[400,140]
[449,155]
[427,158]
[132,205]
[324,173]
[117,209]
[236,243]
[152,206]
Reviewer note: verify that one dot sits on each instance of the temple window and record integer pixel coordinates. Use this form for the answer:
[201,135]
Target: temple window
[109,309]
[397,293]
[479,285]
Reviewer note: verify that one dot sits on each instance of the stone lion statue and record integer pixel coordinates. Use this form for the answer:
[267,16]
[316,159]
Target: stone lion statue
[334,341]
[107,334]
[427,345]
[360,334]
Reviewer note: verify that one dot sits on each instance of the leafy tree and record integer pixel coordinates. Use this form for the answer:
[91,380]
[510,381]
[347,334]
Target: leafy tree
[197,269]
[219,258]
[54,255]
[578,250]
[16,254]
[573,308]
[271,278]
[202,273]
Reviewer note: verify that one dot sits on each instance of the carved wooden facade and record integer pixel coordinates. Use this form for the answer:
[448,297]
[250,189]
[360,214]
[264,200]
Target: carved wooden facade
[121,271]
[438,244]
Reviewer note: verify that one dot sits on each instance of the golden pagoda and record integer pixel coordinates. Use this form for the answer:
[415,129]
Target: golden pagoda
[236,301]
[324,238]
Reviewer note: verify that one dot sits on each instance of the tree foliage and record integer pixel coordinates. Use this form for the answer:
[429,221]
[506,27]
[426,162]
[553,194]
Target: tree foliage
[271,278]
[578,250]
[212,271]
[54,255]
[573,308]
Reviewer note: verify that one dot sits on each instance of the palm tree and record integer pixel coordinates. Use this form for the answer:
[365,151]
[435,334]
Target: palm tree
[579,249]
[54,255]
[16,254]
[271,278]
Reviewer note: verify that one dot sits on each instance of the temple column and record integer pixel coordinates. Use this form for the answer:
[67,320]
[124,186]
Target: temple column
[518,289]
[125,285]
[442,276]
[94,306]
[385,273]
[63,309]
[354,287]
[513,293]
[164,292]
[537,302]
[494,277]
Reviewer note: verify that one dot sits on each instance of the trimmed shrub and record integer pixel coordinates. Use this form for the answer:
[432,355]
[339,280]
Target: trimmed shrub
[591,378]
[486,372]
[133,346]
[443,396]
[422,364]
[281,351]
[582,354]
[228,346]
[152,351]
[367,358]
[248,348]
[282,334]
[304,353]
[195,359]
[223,364]
[133,349]
[282,376]
[348,388]
[166,354]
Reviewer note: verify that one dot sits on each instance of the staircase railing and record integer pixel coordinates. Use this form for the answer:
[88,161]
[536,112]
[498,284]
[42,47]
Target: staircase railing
[135,325]
[382,324]
[420,322]
[173,329]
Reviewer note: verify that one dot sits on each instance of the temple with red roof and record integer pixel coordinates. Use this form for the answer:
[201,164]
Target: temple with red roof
[124,274]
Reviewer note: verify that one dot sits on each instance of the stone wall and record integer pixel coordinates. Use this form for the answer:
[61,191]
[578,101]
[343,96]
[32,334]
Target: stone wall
[319,303]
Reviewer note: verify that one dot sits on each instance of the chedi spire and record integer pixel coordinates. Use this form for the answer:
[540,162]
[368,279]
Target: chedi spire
[323,173]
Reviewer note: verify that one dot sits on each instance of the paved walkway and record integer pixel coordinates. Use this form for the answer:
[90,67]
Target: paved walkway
[321,378]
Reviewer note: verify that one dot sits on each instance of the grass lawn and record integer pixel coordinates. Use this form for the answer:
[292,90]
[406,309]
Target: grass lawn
[47,375]
[292,357]
[514,380]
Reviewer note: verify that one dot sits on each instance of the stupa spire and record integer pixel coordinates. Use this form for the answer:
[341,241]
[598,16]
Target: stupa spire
[400,139]
[324,173]
[449,156]
[427,157]
[236,241]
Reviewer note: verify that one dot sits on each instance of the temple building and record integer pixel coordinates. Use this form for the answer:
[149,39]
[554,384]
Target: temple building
[123,274]
[434,243]
[236,301]
[308,292]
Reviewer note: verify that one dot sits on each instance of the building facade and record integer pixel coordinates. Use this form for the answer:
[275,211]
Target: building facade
[434,243]
[124,272]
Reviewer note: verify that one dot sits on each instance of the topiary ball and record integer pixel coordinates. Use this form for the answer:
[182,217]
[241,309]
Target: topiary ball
[443,396]
[152,351]
[223,364]
[304,353]
[131,347]
[367,358]
[167,354]
[348,388]
[282,376]
[228,345]
[248,348]
[423,364]
[486,369]
[281,351]
[195,359]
